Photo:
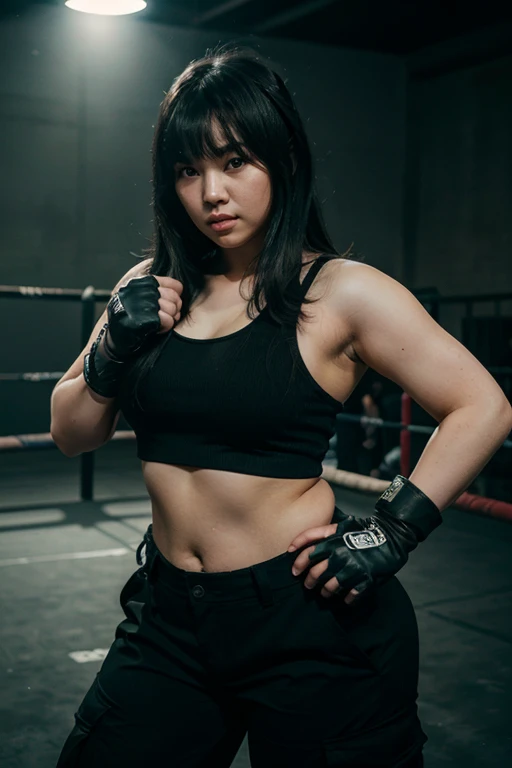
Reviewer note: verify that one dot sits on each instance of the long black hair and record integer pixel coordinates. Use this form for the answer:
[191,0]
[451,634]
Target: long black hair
[245,96]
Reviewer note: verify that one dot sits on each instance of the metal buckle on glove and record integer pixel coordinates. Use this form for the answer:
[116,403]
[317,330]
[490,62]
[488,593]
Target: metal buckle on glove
[392,490]
[370,537]
[116,305]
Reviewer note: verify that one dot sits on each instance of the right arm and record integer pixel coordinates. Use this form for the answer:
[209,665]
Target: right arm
[82,420]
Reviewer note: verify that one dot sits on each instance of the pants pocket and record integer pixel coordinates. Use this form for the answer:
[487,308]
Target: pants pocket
[355,631]
[135,584]
[92,709]
[397,742]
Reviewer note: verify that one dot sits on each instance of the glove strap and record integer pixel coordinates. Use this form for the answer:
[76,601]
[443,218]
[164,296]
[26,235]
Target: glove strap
[406,502]
[102,374]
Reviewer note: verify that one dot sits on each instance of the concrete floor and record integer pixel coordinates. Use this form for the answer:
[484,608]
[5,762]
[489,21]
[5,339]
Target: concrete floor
[53,636]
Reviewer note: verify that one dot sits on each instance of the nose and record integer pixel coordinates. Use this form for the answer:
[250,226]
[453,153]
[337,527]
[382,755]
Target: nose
[214,188]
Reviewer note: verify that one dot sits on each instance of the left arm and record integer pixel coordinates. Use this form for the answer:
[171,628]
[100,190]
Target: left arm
[395,335]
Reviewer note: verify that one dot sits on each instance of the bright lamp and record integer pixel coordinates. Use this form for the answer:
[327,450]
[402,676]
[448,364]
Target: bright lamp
[107,7]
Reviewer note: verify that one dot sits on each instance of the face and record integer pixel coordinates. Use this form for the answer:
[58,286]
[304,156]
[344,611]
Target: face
[227,185]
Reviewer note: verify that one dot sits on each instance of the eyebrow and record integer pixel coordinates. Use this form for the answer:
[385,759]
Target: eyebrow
[225,149]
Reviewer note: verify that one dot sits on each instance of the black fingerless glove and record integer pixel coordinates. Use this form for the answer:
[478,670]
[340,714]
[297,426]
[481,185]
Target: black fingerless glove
[132,319]
[102,373]
[368,551]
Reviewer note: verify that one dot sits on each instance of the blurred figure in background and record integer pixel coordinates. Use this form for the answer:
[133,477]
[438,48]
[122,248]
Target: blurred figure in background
[361,448]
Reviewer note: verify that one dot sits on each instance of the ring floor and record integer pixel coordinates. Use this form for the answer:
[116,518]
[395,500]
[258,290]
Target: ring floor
[56,551]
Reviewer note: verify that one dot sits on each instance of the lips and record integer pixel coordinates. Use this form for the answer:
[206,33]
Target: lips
[221,224]
[224,217]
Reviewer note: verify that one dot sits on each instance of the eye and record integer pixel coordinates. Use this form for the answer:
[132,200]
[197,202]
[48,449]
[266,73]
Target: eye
[239,159]
[179,172]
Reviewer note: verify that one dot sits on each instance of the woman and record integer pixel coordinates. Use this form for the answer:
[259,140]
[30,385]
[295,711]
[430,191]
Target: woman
[233,400]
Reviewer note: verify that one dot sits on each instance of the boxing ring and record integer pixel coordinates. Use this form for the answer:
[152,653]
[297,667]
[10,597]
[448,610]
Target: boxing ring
[90,296]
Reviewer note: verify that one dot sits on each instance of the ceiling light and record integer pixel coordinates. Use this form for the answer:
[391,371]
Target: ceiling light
[107,7]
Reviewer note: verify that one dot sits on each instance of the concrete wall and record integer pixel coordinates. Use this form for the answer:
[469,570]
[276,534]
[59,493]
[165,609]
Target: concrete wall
[458,181]
[464,239]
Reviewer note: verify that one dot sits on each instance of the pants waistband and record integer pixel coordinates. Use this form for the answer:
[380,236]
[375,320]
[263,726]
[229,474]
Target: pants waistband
[259,580]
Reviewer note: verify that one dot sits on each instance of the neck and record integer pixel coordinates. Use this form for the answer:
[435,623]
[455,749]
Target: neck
[233,262]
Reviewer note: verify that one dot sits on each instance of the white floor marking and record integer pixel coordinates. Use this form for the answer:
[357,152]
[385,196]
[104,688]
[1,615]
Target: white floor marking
[66,556]
[82,657]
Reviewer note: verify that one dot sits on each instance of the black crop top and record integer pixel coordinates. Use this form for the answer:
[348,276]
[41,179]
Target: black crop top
[237,402]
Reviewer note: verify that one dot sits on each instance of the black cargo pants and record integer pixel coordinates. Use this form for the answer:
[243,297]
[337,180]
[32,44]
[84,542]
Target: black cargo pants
[202,659]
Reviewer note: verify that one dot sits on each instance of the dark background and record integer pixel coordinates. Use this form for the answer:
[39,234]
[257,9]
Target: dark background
[408,108]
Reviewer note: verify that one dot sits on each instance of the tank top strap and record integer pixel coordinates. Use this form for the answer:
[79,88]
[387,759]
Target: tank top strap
[312,273]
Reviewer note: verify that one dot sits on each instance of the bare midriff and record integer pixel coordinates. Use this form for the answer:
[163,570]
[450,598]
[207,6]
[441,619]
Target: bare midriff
[212,520]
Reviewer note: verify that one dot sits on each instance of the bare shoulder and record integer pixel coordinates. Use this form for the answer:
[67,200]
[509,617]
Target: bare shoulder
[138,270]
[393,334]
[354,284]
[346,272]
[372,300]
[330,272]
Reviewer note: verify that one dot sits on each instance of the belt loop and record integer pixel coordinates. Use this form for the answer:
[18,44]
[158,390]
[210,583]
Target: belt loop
[146,543]
[263,586]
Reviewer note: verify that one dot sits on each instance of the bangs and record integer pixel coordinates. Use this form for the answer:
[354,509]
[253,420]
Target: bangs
[195,128]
